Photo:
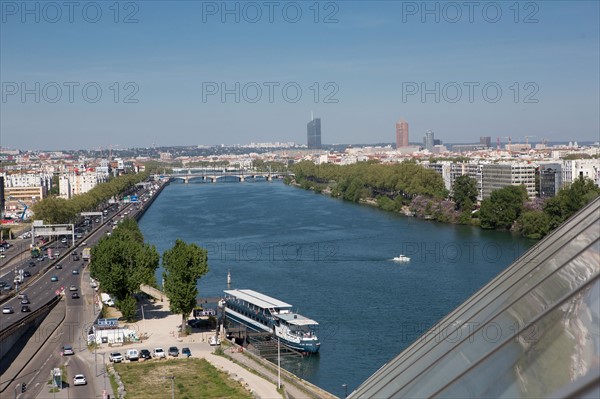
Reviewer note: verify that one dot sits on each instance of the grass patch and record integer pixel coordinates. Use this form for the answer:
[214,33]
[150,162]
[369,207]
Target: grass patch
[113,383]
[194,379]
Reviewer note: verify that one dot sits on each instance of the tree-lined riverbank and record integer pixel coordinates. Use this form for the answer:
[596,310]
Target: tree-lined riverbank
[411,189]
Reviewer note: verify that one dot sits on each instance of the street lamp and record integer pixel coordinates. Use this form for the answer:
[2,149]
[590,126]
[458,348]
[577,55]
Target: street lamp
[143,317]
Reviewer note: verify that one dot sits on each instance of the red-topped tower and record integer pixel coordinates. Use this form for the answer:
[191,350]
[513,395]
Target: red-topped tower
[401,133]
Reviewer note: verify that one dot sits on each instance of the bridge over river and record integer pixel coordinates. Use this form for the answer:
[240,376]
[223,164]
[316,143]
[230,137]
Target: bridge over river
[213,175]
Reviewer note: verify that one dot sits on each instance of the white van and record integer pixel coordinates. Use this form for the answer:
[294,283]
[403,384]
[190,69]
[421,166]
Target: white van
[132,355]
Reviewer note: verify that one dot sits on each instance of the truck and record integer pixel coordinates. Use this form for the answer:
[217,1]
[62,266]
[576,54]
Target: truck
[86,254]
[35,252]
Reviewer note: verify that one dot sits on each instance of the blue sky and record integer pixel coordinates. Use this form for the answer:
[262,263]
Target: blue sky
[543,56]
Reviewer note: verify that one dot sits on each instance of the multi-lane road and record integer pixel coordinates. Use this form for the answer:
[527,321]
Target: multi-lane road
[79,313]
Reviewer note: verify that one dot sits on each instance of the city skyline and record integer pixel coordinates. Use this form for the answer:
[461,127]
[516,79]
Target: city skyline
[165,75]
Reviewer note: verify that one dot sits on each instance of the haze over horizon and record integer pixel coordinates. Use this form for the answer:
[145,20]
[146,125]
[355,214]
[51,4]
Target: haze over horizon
[193,73]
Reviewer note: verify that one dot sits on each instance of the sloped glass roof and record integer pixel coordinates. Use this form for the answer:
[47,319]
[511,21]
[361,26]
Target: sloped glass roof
[532,332]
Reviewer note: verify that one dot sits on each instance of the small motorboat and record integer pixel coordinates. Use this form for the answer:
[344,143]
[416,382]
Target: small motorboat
[401,258]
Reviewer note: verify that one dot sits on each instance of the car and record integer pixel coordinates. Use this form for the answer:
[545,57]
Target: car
[8,310]
[132,355]
[2,284]
[26,273]
[72,288]
[159,353]
[67,350]
[145,354]
[115,357]
[25,309]
[31,264]
[84,243]
[22,296]
[79,379]
[2,256]
[75,271]
[194,323]
[57,254]
[214,341]
[63,240]
[58,267]
[75,258]
[25,301]
[186,352]
[7,287]
[173,351]
[75,295]
[54,279]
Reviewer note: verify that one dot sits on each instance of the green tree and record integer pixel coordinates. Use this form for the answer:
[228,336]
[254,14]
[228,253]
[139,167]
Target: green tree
[128,307]
[569,200]
[503,207]
[534,224]
[183,265]
[122,262]
[464,192]
[55,190]
[55,210]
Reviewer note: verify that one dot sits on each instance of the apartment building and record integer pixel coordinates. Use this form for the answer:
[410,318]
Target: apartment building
[497,176]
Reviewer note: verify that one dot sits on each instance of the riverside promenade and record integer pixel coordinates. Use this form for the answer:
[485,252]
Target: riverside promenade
[161,327]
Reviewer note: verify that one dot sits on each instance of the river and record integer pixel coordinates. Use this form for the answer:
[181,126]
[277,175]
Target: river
[331,259]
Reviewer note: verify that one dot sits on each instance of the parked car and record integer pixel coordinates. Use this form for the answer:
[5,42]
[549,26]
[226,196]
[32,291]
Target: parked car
[79,379]
[173,351]
[145,354]
[115,357]
[194,323]
[68,350]
[186,352]
[214,341]
[132,354]
[159,353]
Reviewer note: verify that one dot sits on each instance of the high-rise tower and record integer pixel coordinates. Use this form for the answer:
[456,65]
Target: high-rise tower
[401,133]
[313,133]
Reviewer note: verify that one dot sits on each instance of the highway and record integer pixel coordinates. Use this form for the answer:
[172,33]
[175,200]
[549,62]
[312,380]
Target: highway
[79,314]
